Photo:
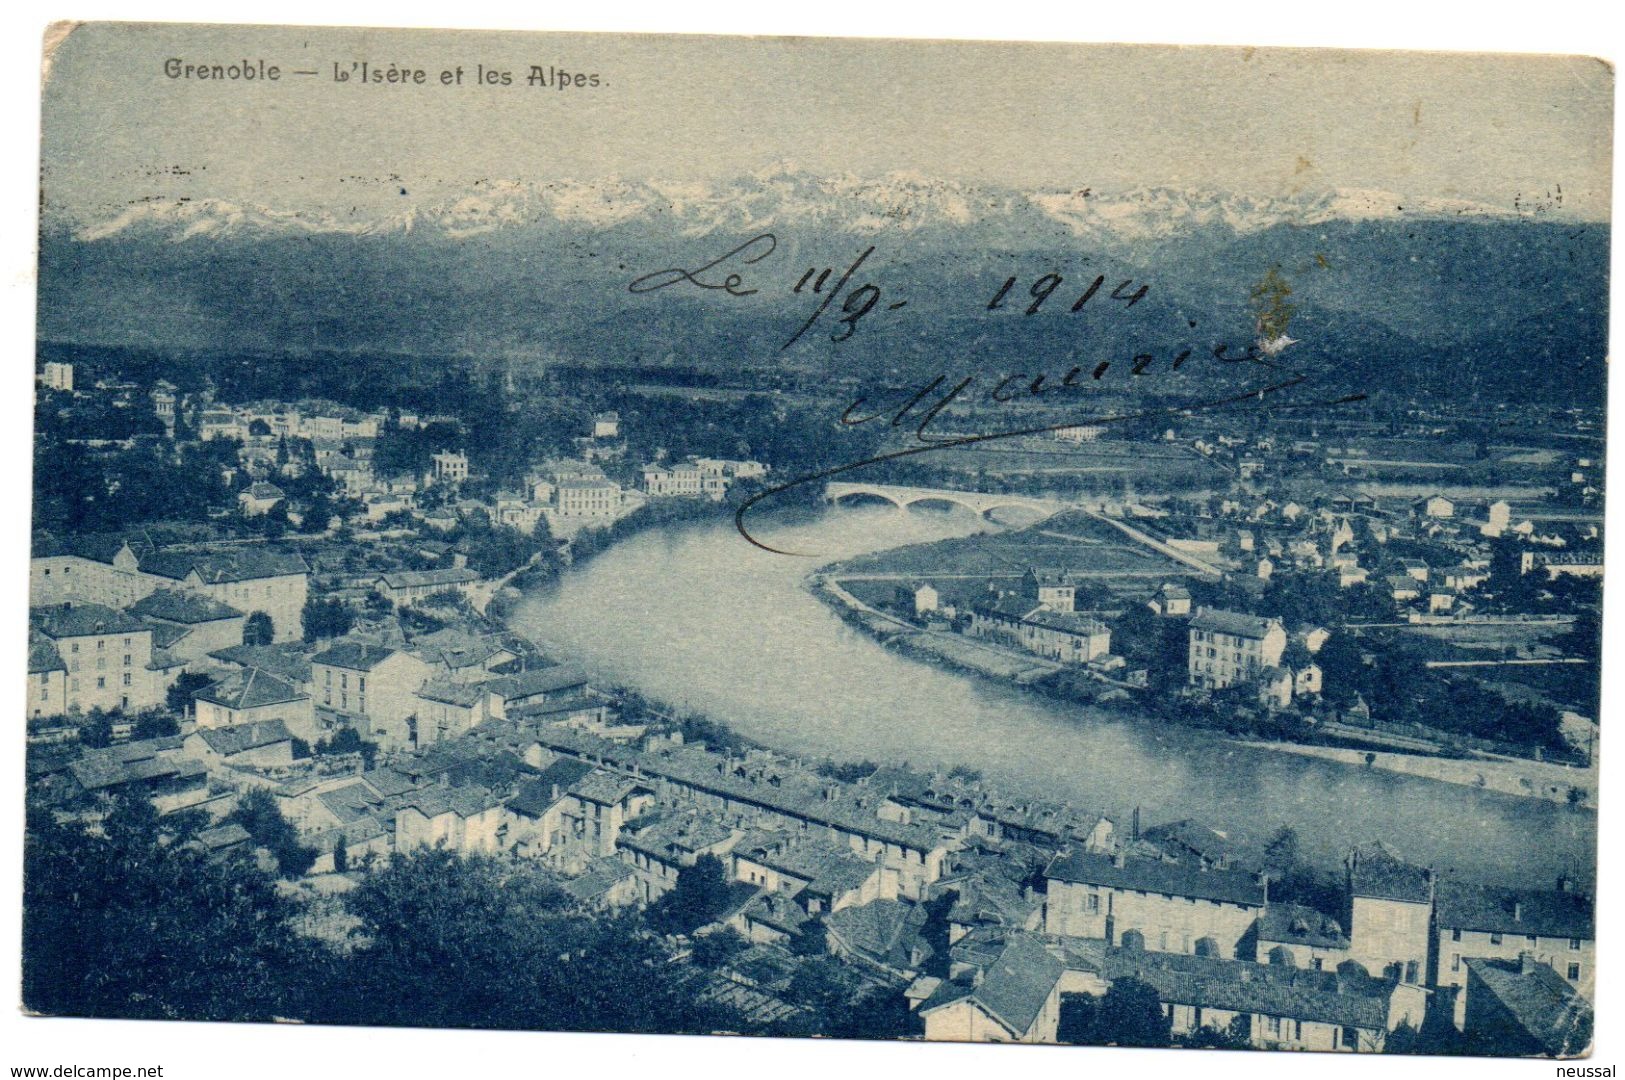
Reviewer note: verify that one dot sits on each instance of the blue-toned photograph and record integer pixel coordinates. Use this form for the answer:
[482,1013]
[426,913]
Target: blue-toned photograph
[523,540]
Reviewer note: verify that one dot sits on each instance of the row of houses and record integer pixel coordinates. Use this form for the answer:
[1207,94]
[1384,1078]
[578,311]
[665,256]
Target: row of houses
[1046,901]
[695,478]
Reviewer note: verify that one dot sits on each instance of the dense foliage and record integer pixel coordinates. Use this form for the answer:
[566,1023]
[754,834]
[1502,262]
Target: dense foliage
[140,923]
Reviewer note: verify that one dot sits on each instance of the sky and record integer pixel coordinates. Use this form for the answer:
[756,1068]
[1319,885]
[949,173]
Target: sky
[1484,127]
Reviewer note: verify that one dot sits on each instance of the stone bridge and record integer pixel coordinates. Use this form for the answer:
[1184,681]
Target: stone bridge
[977,502]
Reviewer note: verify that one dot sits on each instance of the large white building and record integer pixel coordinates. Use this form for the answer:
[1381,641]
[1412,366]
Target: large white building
[1556,927]
[106,657]
[1171,907]
[450,468]
[57,376]
[374,686]
[588,498]
[680,480]
[1228,648]
[248,578]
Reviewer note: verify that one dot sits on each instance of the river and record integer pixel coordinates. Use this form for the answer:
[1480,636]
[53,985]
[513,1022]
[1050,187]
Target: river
[693,616]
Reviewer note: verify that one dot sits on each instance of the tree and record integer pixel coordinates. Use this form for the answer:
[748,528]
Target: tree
[1077,1022]
[813,940]
[1231,1037]
[1342,669]
[823,984]
[214,940]
[346,740]
[155,723]
[1131,1015]
[1282,852]
[468,941]
[714,950]
[178,698]
[1296,656]
[258,812]
[326,618]
[258,629]
[318,512]
[700,895]
[936,931]
[881,1013]
[96,730]
[274,522]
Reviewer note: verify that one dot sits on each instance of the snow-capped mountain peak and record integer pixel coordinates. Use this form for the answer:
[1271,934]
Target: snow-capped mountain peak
[780,196]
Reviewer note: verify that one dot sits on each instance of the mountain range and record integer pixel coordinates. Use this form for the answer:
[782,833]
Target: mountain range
[1382,286]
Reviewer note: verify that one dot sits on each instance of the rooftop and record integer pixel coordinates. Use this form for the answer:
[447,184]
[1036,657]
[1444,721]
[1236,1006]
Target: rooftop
[540,680]
[1295,924]
[180,606]
[450,692]
[287,662]
[1545,913]
[1014,988]
[1156,876]
[221,567]
[250,689]
[1234,623]
[42,655]
[61,621]
[1189,836]
[540,792]
[1350,1000]
[354,655]
[146,759]
[239,738]
[1376,871]
[1550,1011]
[410,579]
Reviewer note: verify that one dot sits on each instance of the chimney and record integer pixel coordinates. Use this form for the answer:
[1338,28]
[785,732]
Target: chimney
[1517,911]
[1565,883]
[1119,859]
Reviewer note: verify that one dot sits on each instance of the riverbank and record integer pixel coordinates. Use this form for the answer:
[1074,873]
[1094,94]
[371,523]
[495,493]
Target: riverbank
[694,617]
[1562,784]
[952,650]
[1522,778]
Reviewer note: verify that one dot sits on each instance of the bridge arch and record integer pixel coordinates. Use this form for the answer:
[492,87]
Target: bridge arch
[977,502]
[864,496]
[942,499]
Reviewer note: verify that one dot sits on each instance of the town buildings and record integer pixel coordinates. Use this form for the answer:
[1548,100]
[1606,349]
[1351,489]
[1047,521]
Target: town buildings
[1390,911]
[383,711]
[1555,928]
[106,657]
[1173,907]
[1228,648]
[253,697]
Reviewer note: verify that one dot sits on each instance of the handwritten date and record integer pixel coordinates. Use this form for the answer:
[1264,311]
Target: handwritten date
[840,298]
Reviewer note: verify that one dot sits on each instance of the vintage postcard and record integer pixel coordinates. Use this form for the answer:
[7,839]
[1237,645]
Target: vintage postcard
[806,537]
